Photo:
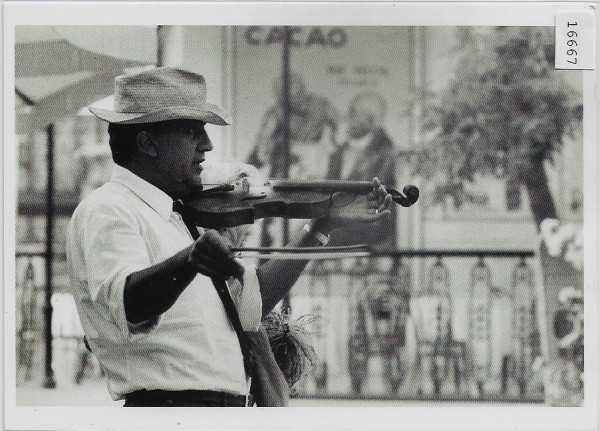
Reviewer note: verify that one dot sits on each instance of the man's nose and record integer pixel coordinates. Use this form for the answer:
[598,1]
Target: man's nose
[206,145]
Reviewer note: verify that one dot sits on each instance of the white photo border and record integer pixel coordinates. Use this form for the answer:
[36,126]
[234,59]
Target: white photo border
[355,13]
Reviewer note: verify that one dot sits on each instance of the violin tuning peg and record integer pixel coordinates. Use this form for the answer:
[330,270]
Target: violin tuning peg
[412,194]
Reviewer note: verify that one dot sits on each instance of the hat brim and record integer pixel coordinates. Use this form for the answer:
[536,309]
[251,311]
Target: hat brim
[208,113]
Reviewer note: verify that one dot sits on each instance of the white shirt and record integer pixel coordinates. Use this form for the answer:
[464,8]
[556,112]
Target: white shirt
[128,225]
[353,154]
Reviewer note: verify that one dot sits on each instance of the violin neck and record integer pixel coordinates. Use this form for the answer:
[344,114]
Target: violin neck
[357,187]
[325,185]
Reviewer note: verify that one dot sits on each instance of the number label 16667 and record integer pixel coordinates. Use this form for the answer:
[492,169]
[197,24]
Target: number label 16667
[575,39]
[572,42]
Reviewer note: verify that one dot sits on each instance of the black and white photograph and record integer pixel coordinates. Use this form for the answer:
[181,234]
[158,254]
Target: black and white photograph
[383,206]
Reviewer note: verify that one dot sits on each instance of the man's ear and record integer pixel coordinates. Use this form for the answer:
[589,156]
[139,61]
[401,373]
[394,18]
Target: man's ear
[146,143]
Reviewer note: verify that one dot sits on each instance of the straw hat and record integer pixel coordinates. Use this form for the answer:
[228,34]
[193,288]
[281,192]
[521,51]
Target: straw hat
[161,94]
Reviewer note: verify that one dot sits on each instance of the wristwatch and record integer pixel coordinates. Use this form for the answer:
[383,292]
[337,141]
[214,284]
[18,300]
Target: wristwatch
[320,236]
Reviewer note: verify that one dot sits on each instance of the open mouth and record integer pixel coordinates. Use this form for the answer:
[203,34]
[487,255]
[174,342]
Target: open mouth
[198,164]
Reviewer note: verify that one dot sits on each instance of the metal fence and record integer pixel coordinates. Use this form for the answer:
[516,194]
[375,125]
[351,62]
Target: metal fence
[28,323]
[403,338]
[31,310]
[386,326]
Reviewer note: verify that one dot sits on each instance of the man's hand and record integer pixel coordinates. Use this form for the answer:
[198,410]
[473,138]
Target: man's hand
[277,277]
[348,209]
[211,255]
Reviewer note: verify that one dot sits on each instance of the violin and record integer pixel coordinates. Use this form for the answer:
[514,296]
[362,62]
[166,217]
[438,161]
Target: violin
[246,200]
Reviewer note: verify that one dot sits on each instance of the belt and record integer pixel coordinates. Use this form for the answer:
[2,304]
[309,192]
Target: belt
[187,398]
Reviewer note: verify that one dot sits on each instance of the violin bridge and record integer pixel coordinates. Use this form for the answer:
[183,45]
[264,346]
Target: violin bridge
[254,190]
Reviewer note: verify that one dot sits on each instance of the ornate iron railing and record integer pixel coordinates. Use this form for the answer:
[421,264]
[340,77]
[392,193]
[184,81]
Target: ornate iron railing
[387,305]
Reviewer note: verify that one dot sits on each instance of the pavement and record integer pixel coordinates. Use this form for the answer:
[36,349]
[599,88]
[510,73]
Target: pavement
[89,394]
[93,393]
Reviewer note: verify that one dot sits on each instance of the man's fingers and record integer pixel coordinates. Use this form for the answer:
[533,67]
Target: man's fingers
[231,268]
[372,204]
[217,242]
[234,268]
[365,208]
[374,193]
[205,270]
[381,215]
[378,193]
[224,266]
[372,216]
[342,199]
[382,192]
[213,251]
[212,267]
[376,183]
[386,204]
[379,190]
[220,265]
[382,198]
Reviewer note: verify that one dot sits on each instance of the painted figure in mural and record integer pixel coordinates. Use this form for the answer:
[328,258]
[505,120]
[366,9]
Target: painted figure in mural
[165,305]
[365,149]
[313,124]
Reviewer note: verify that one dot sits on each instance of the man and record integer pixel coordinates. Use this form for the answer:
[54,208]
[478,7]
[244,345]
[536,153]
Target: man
[313,123]
[142,284]
[367,151]
[312,126]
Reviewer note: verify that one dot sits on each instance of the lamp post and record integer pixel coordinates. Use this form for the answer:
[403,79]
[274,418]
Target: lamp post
[49,382]
[286,135]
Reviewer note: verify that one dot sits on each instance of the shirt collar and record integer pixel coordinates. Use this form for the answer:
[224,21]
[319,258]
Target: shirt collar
[158,200]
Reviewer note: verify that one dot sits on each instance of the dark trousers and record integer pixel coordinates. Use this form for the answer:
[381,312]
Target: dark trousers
[189,398]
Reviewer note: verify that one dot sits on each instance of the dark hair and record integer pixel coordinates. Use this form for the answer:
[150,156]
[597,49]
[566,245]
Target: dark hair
[122,137]
[122,141]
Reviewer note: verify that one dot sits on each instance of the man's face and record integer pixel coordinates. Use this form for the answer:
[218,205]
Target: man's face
[180,152]
[360,122]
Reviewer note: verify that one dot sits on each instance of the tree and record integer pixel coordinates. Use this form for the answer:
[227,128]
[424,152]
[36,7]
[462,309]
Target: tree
[505,112]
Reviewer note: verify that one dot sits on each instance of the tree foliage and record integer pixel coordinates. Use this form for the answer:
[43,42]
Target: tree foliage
[503,112]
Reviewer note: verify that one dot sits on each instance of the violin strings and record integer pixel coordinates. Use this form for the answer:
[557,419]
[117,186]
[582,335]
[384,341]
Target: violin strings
[338,249]
[301,253]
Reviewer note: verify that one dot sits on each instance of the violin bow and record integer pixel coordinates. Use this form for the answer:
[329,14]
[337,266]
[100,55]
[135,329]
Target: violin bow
[303,253]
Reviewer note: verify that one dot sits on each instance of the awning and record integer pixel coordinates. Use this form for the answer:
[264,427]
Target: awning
[60,69]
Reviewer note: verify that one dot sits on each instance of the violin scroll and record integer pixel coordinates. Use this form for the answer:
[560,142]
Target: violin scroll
[410,196]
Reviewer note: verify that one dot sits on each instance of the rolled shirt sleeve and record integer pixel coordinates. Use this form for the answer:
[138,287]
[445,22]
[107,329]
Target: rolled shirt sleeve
[245,293]
[114,249]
